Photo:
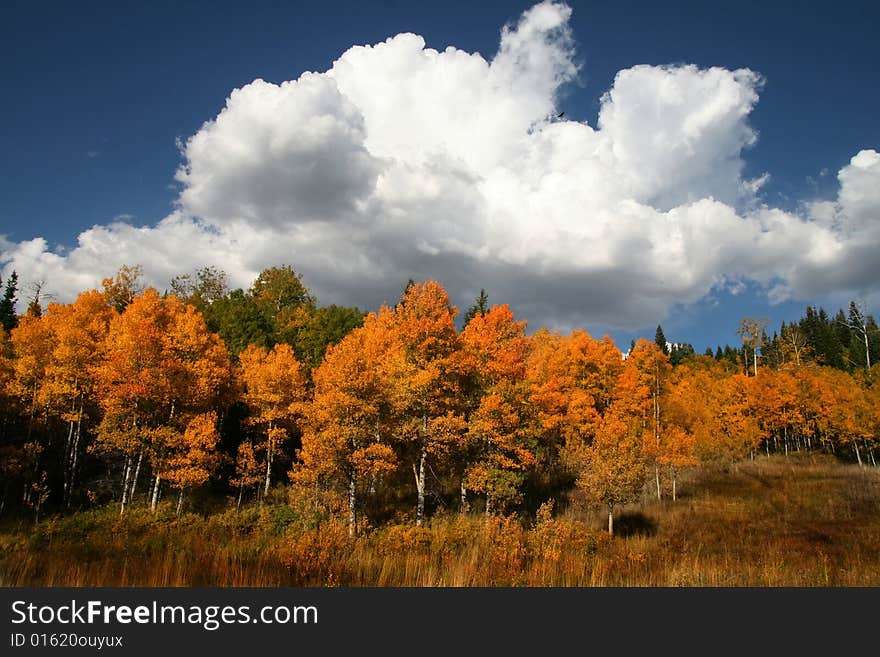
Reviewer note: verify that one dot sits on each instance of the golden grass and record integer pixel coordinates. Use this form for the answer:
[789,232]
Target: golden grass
[801,521]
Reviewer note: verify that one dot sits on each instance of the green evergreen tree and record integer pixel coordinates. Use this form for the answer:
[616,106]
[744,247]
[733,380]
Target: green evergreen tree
[661,341]
[680,353]
[873,339]
[8,318]
[732,355]
[409,283]
[480,307]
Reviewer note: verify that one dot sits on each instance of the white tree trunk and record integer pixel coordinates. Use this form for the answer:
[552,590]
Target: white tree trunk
[268,468]
[420,486]
[155,500]
[352,505]
[611,520]
[67,461]
[125,483]
[657,428]
[137,472]
[75,456]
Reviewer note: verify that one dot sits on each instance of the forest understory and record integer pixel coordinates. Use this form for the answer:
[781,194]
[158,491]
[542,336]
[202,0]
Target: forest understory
[801,520]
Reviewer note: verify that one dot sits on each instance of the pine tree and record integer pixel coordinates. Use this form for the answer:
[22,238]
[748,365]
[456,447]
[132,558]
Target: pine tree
[681,352]
[7,304]
[480,307]
[660,340]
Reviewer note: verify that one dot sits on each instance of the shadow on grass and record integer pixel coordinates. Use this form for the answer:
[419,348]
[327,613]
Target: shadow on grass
[634,524]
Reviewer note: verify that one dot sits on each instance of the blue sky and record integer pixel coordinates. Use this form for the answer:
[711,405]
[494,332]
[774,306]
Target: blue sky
[97,96]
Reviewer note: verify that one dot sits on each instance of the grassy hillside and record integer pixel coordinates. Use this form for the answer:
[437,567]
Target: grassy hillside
[807,521]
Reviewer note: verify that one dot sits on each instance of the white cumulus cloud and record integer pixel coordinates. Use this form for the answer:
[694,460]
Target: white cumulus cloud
[403,161]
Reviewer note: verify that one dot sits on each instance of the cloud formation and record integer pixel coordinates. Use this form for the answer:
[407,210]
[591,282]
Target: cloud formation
[401,161]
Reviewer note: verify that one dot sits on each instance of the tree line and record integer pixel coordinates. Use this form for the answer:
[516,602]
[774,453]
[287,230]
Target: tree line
[135,396]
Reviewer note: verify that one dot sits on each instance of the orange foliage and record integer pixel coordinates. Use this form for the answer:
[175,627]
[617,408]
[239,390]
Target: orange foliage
[499,444]
[275,391]
[488,409]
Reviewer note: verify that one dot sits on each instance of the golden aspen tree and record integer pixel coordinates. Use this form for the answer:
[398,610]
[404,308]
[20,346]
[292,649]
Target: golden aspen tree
[652,368]
[677,453]
[571,382]
[161,365]
[32,344]
[14,458]
[596,366]
[713,407]
[611,469]
[431,419]
[193,455]
[845,420]
[351,422]
[498,427]
[248,471]
[871,390]
[738,431]
[774,401]
[79,330]
[274,391]
[133,388]
[197,373]
[557,406]
[812,411]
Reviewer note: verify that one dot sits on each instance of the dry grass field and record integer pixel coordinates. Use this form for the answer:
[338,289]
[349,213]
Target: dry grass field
[797,521]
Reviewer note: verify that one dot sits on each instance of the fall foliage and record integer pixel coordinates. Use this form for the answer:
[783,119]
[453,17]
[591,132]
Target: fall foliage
[398,414]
